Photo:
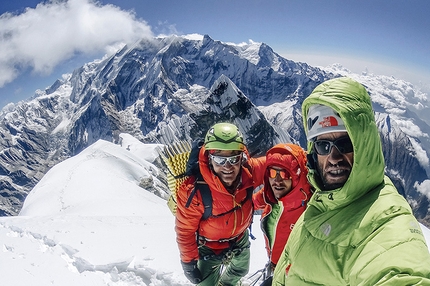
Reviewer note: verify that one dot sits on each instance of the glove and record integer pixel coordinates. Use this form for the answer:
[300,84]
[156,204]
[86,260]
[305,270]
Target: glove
[192,272]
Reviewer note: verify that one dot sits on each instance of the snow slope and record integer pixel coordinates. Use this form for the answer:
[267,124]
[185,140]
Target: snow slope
[88,222]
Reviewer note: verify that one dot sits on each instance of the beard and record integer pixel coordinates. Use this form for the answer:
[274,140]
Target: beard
[334,179]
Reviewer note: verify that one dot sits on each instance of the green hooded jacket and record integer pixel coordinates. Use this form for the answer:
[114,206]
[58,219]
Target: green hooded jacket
[363,233]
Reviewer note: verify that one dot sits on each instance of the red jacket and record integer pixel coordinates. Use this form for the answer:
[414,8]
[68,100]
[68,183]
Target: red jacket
[215,229]
[292,158]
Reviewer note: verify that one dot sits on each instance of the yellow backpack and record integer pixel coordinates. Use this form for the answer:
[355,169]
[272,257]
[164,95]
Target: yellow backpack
[175,156]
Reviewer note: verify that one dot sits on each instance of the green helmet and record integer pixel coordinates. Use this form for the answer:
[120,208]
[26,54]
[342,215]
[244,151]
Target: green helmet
[224,136]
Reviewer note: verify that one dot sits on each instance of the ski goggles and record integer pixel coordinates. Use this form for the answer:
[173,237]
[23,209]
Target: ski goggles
[221,160]
[343,144]
[282,173]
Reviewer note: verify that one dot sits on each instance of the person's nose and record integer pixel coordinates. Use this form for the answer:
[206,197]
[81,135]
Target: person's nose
[228,164]
[278,178]
[335,155]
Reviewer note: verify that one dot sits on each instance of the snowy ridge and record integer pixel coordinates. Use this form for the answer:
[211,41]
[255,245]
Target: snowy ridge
[90,221]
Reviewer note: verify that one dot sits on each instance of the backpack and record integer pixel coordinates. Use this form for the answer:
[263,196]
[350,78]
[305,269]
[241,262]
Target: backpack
[182,161]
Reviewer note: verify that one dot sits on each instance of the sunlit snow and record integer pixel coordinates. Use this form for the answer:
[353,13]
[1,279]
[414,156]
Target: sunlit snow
[88,222]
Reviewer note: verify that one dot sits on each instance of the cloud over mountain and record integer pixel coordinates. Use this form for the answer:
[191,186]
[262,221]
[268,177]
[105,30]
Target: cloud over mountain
[41,38]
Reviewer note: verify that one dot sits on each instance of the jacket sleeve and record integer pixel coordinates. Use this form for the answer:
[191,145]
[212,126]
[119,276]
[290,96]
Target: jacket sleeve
[258,199]
[258,168]
[187,222]
[280,273]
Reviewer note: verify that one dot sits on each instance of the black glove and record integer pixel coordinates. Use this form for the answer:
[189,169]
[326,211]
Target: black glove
[192,272]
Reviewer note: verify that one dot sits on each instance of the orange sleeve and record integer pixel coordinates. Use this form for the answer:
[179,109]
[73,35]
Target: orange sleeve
[258,200]
[258,169]
[187,221]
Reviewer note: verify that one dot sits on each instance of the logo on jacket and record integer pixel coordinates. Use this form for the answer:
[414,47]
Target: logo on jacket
[328,122]
[326,229]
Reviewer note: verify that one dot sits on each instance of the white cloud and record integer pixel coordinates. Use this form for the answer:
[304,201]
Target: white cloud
[164,28]
[421,154]
[54,31]
[194,36]
[423,188]
[407,126]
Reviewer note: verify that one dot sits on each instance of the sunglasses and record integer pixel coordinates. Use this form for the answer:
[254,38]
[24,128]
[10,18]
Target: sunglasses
[282,173]
[343,144]
[221,160]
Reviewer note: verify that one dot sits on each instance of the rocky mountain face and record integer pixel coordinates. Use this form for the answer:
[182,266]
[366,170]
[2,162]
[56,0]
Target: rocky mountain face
[173,88]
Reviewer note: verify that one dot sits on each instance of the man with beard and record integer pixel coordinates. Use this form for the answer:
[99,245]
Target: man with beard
[357,229]
[283,198]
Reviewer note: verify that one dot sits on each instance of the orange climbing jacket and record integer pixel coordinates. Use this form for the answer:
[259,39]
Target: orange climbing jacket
[231,213]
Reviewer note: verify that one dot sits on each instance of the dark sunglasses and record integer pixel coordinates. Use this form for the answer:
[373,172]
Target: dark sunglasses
[221,161]
[282,173]
[343,144]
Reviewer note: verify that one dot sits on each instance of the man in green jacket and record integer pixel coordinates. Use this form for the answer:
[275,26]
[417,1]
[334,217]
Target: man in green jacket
[357,229]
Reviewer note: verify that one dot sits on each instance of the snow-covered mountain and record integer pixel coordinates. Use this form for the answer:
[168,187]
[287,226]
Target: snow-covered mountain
[94,219]
[171,88]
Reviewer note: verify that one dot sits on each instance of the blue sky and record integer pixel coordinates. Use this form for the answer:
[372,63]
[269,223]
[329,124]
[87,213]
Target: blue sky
[39,43]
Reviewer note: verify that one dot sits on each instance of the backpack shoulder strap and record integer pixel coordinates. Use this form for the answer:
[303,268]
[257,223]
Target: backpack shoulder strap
[206,194]
[201,186]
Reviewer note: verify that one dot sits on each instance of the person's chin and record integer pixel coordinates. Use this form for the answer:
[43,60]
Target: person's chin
[228,180]
[332,183]
[279,193]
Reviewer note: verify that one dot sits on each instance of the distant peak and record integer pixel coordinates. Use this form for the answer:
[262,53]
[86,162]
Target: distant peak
[207,39]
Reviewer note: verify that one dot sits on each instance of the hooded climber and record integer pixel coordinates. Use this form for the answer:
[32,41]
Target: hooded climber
[357,229]
[284,196]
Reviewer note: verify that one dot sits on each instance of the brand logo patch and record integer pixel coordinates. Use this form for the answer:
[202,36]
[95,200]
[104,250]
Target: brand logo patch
[328,122]
[326,229]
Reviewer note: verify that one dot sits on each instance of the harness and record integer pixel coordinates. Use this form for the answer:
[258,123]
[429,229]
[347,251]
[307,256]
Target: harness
[227,255]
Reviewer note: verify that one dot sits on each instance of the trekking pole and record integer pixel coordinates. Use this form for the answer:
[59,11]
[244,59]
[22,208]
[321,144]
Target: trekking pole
[254,282]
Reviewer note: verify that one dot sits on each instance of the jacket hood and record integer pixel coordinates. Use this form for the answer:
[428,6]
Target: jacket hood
[290,157]
[352,102]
